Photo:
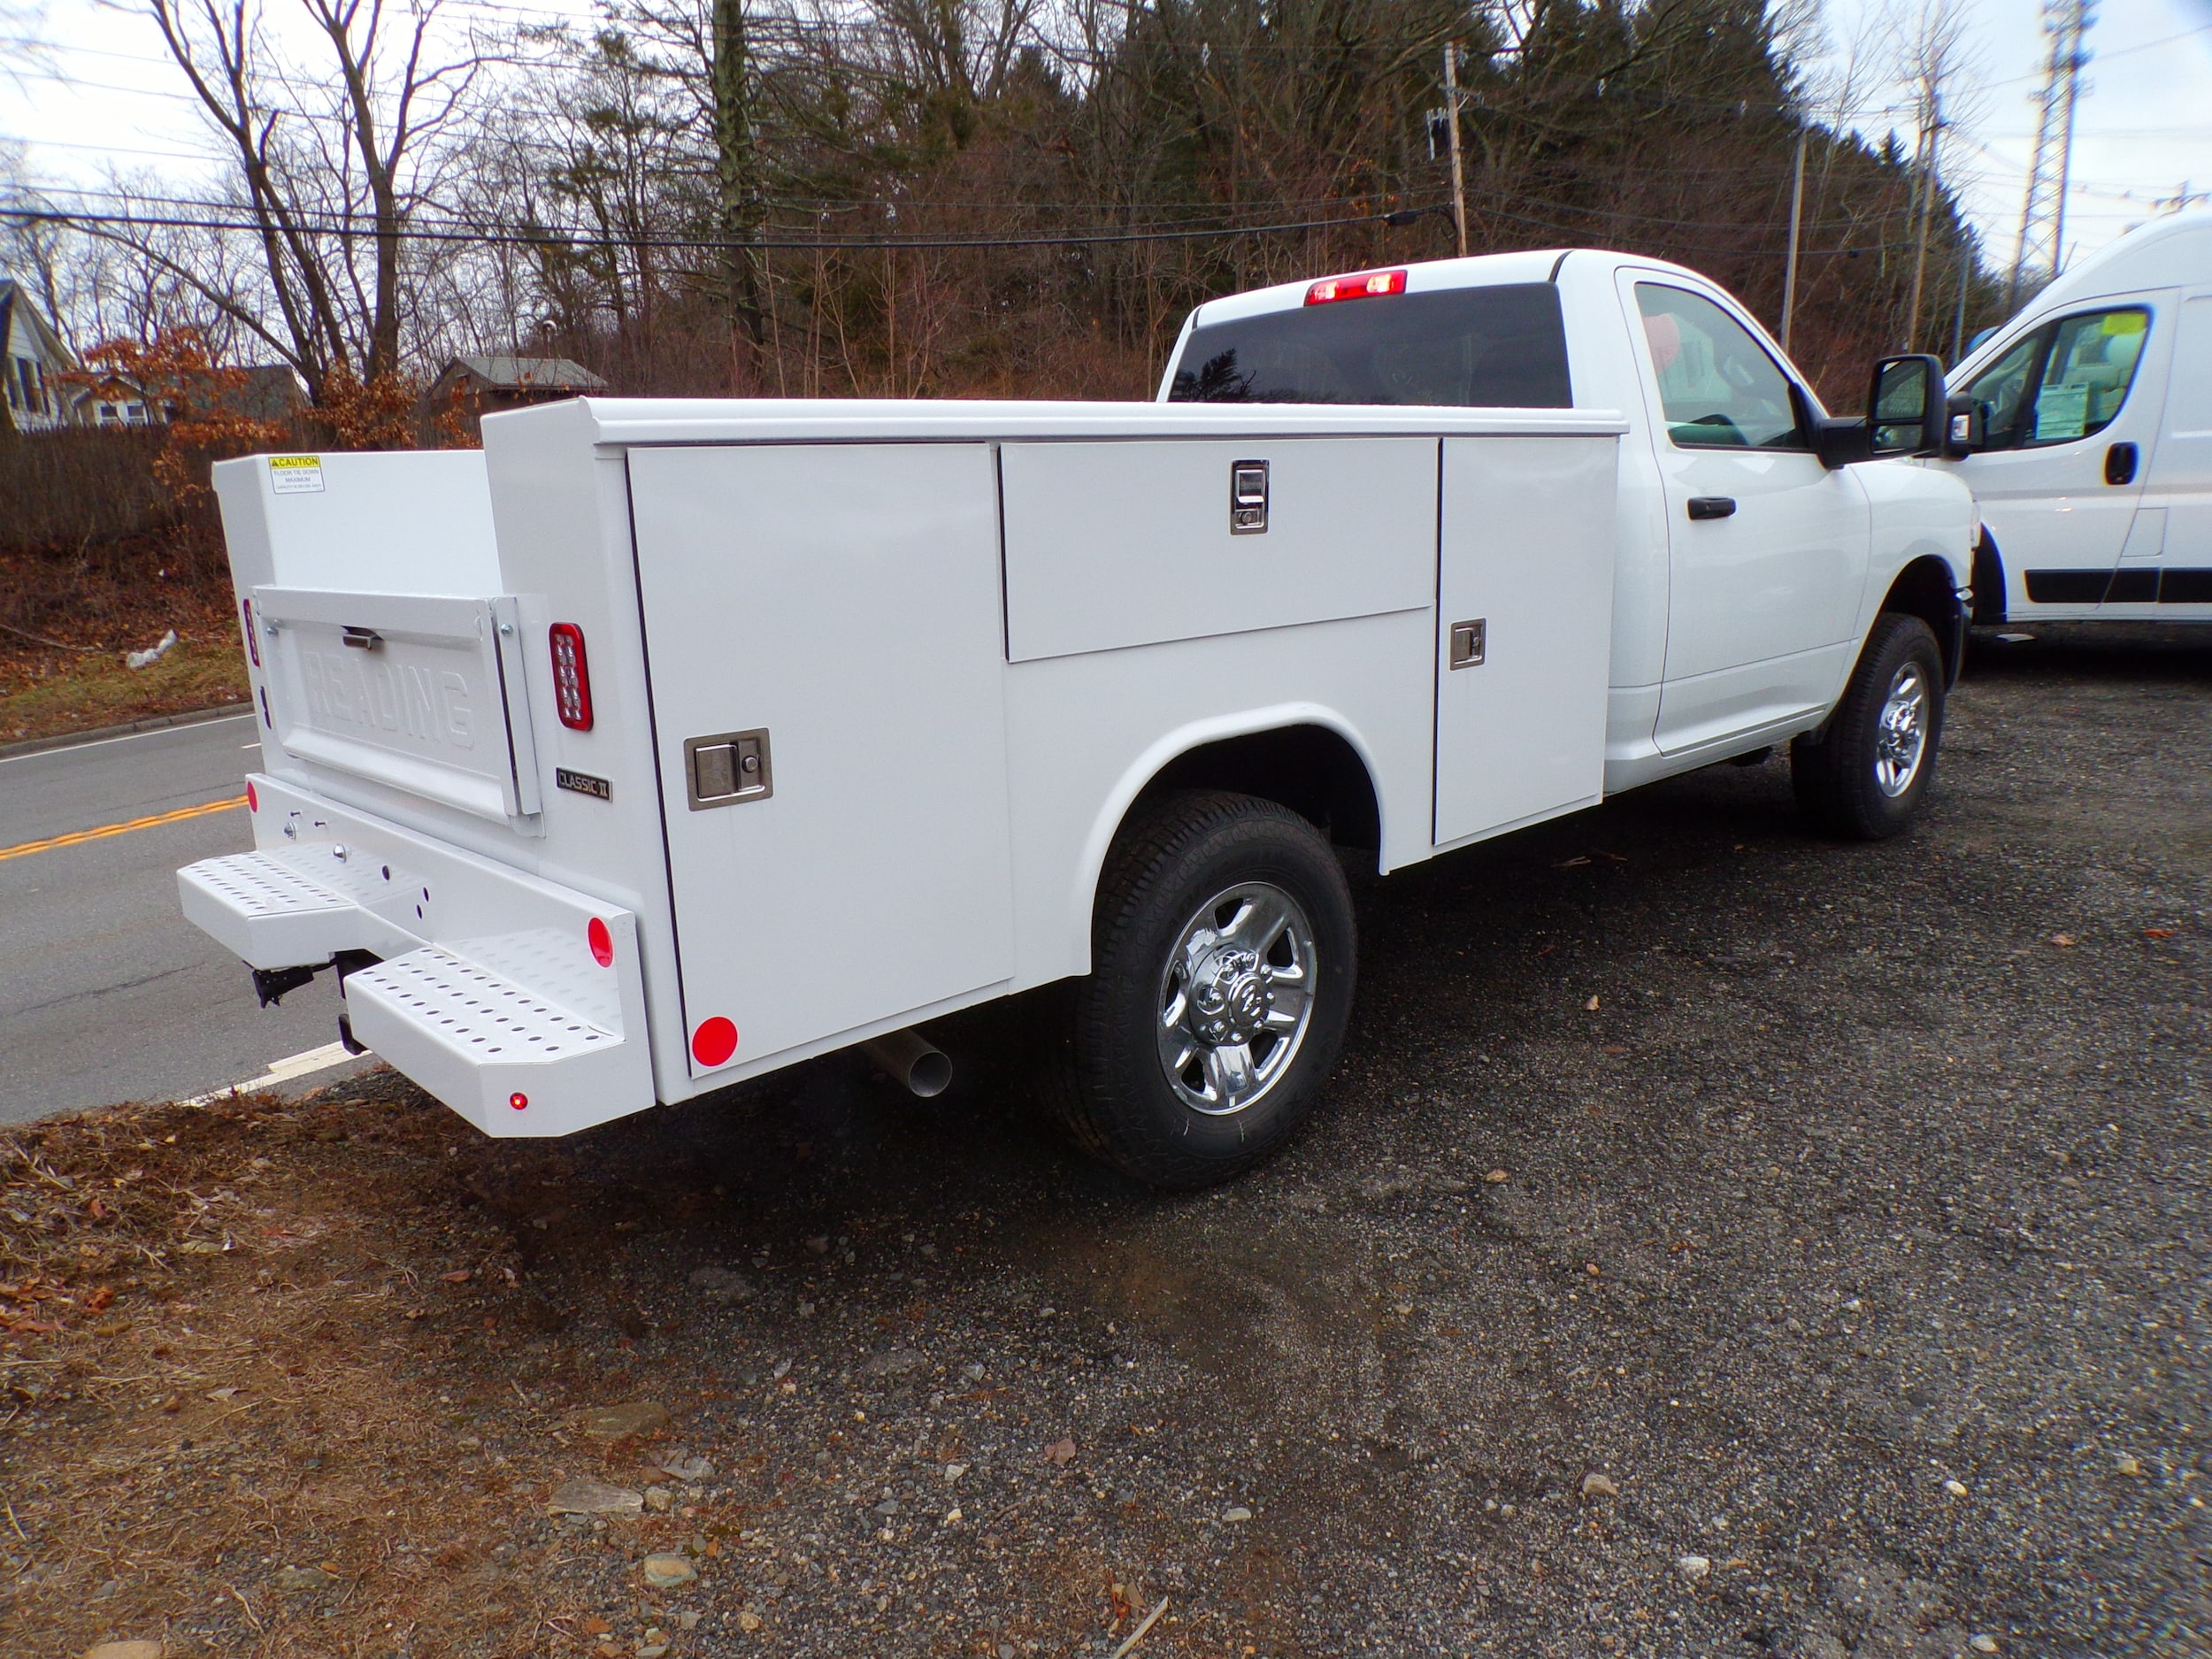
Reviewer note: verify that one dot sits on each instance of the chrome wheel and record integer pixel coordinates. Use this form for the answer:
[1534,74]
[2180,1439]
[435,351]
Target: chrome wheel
[1900,733]
[1236,997]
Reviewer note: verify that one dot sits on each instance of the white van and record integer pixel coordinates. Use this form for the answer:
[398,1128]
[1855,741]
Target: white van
[2093,463]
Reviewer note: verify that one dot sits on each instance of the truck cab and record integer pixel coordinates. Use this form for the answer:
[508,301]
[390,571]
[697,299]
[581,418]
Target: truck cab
[1750,554]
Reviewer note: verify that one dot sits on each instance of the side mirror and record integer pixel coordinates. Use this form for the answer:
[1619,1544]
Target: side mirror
[1970,427]
[1907,409]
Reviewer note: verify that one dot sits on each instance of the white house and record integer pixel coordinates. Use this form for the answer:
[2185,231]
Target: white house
[33,359]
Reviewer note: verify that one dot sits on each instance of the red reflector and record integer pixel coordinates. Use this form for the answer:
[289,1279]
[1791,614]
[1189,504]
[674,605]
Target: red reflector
[253,801]
[571,677]
[517,1100]
[602,943]
[1359,286]
[253,646]
[714,1042]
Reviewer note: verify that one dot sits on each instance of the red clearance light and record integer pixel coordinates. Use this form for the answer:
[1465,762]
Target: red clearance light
[1360,286]
[253,646]
[602,943]
[253,797]
[571,677]
[518,1099]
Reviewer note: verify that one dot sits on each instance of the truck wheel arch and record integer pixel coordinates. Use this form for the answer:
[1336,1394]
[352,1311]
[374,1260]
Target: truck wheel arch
[1306,757]
[1924,588]
[1991,602]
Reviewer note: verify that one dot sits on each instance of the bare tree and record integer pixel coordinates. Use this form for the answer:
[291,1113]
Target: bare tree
[328,160]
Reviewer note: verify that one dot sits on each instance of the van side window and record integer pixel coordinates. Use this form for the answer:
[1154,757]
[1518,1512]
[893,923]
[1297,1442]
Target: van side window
[1718,387]
[2066,381]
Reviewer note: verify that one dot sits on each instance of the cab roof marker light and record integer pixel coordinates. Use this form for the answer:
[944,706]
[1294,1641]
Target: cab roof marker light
[572,676]
[1360,284]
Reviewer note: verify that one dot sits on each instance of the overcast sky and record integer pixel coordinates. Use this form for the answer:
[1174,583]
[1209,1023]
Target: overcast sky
[2143,131]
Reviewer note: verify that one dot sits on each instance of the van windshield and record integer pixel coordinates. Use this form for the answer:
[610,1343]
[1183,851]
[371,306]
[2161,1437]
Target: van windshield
[1484,348]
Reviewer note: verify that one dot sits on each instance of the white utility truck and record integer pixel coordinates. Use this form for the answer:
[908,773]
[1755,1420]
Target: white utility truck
[665,743]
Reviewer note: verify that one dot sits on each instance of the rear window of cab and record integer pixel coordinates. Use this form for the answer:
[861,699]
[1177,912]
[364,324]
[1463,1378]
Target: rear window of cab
[1484,348]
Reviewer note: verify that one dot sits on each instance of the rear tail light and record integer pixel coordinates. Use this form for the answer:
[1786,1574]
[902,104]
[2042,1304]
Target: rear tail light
[253,646]
[1360,285]
[571,677]
[253,797]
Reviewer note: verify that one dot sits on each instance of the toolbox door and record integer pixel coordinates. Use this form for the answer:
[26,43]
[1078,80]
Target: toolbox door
[824,648]
[1525,624]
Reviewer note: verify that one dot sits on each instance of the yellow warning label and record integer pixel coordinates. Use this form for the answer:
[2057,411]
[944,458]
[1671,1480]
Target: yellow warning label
[295,474]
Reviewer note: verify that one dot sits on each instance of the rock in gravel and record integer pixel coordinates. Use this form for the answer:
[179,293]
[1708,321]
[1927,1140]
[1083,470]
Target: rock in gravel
[1693,1567]
[586,1496]
[611,1423]
[2129,1465]
[1984,1643]
[684,1466]
[139,1649]
[719,1284]
[892,1361]
[304,1580]
[1497,1178]
[1234,1517]
[660,1499]
[1060,1453]
[748,1621]
[1599,1486]
[665,1572]
[1956,1488]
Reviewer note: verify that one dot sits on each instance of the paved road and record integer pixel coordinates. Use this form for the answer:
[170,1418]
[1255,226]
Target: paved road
[106,993]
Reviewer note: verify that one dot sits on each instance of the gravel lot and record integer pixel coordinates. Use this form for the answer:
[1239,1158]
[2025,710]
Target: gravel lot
[1720,1242]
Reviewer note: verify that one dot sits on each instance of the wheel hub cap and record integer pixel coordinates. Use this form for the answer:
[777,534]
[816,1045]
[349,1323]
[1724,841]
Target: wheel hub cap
[1901,738]
[1236,997]
[1230,996]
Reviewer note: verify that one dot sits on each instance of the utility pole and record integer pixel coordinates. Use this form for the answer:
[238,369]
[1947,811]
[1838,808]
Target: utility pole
[1931,138]
[1797,218]
[2043,218]
[737,176]
[1459,177]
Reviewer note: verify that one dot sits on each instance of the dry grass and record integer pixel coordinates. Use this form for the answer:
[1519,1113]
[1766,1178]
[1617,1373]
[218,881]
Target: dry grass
[67,621]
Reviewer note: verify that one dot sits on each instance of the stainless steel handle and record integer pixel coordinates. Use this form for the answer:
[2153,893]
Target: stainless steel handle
[1469,643]
[727,768]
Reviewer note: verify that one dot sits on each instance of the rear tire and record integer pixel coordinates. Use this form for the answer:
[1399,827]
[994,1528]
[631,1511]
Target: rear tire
[1222,967]
[1866,776]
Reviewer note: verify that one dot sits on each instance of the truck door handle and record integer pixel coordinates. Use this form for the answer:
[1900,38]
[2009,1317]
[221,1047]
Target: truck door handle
[1712,506]
[2119,464]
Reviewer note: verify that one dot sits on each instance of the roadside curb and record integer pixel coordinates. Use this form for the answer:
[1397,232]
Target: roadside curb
[129,728]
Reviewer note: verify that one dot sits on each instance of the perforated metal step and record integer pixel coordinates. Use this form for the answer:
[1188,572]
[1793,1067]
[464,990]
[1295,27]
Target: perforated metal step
[255,885]
[480,1016]
[268,911]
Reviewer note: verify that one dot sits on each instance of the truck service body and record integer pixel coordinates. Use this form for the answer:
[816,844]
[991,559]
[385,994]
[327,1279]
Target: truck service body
[665,743]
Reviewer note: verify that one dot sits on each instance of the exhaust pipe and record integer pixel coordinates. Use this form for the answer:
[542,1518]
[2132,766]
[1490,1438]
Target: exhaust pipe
[912,1060]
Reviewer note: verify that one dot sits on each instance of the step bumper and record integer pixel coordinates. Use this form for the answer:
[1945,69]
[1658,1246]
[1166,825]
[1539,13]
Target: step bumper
[517,1001]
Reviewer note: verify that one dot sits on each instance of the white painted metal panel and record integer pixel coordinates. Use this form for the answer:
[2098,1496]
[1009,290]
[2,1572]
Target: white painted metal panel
[421,702]
[1110,545]
[1085,733]
[846,600]
[1527,551]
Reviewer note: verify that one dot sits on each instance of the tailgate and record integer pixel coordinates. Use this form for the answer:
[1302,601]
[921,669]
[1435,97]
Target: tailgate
[420,693]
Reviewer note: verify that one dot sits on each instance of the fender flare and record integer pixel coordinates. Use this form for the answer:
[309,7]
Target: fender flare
[1166,749]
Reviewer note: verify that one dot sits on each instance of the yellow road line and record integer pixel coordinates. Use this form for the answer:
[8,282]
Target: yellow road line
[105,830]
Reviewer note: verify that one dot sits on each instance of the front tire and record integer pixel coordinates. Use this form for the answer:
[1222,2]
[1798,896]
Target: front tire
[1865,778]
[1222,968]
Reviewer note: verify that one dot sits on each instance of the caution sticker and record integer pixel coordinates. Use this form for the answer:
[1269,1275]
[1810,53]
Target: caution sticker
[295,474]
